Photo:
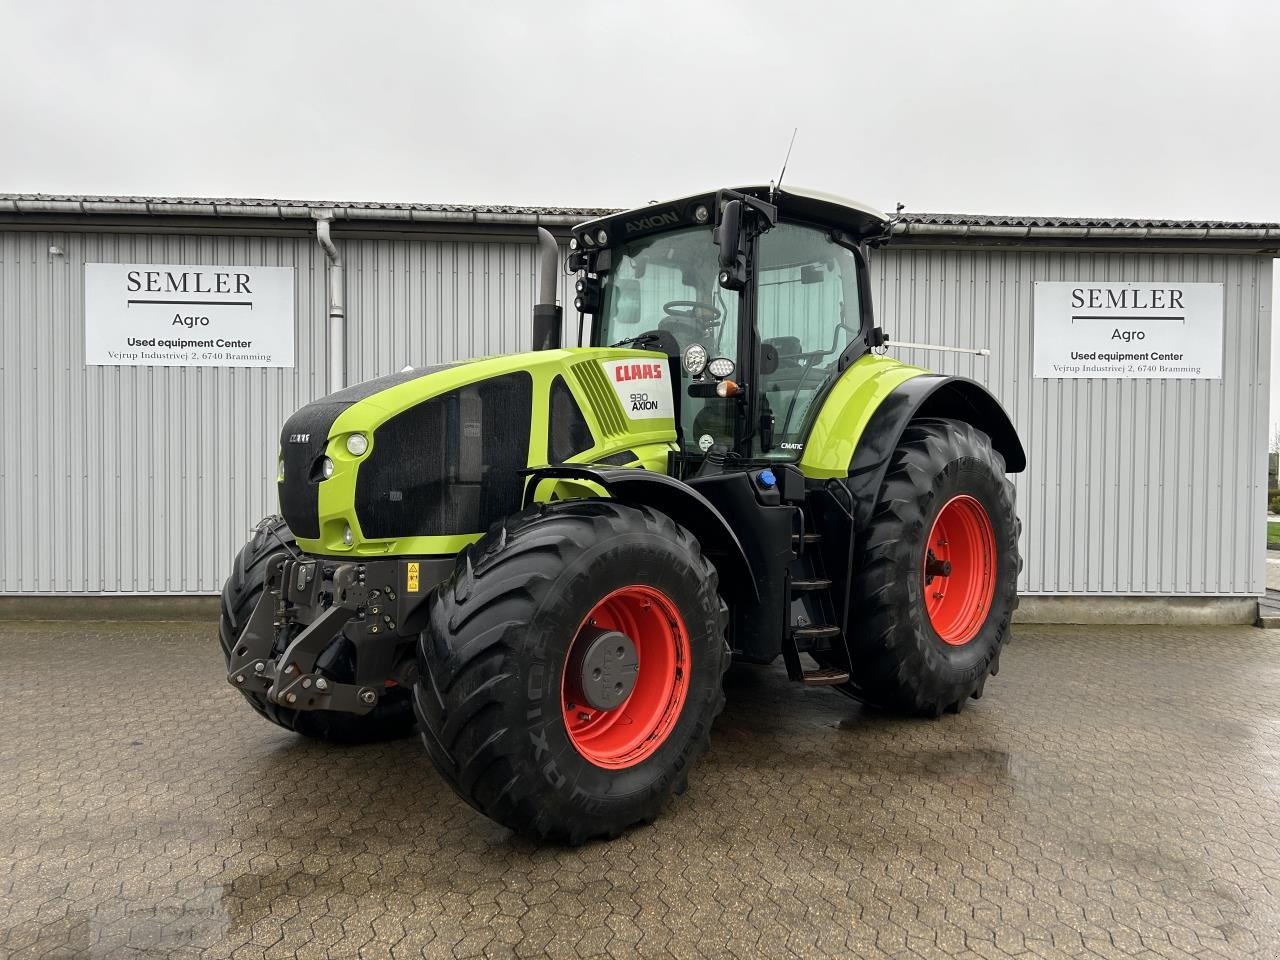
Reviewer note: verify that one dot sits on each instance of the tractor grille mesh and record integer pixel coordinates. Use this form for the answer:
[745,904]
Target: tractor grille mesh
[449,465]
[569,433]
[604,402]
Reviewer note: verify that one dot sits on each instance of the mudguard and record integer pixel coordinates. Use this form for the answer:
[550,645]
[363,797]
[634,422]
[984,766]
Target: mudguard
[861,421]
[677,500]
[927,396]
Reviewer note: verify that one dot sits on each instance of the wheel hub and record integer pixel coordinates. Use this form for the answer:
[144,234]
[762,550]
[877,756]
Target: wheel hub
[959,570]
[617,728]
[606,669]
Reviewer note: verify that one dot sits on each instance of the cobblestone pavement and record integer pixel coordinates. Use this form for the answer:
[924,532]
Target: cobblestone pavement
[1116,794]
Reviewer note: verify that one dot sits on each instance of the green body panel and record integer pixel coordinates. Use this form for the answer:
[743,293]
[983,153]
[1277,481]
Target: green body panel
[612,428]
[846,411]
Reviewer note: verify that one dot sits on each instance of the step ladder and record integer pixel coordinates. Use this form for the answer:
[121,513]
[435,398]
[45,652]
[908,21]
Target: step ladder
[811,613]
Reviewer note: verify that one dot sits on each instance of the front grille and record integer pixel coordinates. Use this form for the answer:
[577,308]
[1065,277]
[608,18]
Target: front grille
[448,465]
[302,443]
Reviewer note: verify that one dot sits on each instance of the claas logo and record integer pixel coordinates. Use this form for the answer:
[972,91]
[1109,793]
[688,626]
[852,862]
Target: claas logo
[637,371]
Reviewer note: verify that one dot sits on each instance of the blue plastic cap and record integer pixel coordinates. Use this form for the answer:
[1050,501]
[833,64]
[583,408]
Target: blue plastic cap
[766,478]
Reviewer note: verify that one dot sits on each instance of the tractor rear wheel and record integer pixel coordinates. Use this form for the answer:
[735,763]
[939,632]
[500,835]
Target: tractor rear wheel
[571,668]
[391,719]
[936,585]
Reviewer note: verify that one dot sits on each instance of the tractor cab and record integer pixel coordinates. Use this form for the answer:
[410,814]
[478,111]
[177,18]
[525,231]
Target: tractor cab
[758,296]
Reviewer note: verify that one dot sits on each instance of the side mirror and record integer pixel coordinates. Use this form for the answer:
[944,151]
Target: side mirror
[733,265]
[728,233]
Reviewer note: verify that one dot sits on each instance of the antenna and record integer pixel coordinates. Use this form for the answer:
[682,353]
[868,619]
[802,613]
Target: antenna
[775,187]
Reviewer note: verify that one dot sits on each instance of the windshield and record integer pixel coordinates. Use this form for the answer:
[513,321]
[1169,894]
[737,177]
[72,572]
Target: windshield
[664,288]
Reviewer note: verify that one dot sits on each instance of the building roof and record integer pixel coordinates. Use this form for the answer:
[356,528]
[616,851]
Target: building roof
[305,209]
[919,226]
[982,219]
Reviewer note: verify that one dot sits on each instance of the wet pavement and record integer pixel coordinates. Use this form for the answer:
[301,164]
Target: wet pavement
[1115,794]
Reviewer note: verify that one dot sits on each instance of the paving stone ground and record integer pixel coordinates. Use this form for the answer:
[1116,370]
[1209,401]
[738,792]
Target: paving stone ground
[1115,794]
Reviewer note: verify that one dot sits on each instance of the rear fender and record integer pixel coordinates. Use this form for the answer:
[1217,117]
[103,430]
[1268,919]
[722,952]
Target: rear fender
[928,396]
[677,500]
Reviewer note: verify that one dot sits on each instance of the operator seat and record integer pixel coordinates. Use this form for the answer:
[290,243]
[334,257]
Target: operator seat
[682,330]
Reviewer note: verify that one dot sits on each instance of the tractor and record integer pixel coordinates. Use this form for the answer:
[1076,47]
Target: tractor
[546,562]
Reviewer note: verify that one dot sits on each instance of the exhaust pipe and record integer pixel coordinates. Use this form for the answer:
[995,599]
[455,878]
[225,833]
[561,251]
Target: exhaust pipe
[547,316]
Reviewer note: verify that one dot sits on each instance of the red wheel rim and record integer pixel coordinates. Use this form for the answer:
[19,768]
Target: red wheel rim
[959,570]
[630,732]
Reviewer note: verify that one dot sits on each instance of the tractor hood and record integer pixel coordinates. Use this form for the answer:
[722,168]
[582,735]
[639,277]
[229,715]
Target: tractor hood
[424,461]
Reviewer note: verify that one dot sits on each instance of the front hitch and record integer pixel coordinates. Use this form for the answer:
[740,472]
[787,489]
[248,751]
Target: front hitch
[292,680]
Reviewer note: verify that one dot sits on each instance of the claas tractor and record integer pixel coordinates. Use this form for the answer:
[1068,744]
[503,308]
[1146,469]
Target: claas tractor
[546,562]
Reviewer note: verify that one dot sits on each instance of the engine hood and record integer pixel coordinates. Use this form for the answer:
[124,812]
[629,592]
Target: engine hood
[442,448]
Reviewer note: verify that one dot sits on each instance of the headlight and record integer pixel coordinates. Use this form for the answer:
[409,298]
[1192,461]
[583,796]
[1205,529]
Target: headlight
[701,213]
[357,444]
[602,238]
[347,536]
[326,468]
[721,367]
[694,359]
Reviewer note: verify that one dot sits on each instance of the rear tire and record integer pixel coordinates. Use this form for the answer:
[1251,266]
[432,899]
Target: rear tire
[391,719]
[495,696]
[924,642]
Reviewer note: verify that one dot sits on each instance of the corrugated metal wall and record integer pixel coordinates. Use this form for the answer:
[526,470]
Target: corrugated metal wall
[1132,486]
[146,480]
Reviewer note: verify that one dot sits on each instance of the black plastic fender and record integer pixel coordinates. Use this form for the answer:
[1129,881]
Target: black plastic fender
[933,395]
[682,504]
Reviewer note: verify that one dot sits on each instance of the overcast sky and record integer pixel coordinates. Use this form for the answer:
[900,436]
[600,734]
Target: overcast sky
[1156,109]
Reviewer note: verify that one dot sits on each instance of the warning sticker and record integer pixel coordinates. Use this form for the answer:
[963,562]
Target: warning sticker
[411,577]
[643,386]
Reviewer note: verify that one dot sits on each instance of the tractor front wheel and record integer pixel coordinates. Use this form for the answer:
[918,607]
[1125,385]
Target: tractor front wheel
[936,584]
[571,668]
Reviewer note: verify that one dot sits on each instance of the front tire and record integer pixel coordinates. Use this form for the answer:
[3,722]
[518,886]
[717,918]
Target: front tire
[391,719]
[512,654]
[936,585]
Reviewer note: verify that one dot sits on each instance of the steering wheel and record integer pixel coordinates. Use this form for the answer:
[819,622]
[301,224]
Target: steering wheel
[691,310]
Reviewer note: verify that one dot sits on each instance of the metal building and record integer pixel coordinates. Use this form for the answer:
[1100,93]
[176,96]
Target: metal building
[145,479]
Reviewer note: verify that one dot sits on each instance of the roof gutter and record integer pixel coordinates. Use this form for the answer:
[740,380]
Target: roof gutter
[1028,232]
[277,211]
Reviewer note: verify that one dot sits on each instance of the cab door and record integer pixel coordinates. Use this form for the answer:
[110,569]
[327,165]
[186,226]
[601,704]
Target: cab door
[808,311]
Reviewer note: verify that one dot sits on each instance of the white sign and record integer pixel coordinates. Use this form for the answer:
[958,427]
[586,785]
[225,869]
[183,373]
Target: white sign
[183,315]
[643,386]
[1130,331]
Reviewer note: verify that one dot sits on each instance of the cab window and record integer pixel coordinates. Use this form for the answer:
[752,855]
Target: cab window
[808,311]
[663,294]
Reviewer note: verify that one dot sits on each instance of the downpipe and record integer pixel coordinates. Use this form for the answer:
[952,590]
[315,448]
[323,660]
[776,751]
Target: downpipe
[337,307]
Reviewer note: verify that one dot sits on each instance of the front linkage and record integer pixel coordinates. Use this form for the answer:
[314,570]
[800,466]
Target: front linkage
[307,605]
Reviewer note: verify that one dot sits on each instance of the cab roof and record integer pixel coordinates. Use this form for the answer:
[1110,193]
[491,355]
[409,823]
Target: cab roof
[794,203]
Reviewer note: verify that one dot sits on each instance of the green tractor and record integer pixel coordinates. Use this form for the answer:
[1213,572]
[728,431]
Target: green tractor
[546,562]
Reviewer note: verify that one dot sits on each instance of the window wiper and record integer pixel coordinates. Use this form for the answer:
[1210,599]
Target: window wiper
[643,338]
